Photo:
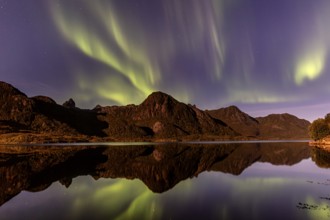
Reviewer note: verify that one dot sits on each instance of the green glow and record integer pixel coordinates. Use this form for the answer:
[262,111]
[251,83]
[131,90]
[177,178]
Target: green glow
[122,198]
[250,96]
[310,67]
[322,212]
[136,67]
[114,188]
[259,184]
[129,48]
[131,51]
[313,53]
[142,207]
[110,87]
[115,199]
[149,56]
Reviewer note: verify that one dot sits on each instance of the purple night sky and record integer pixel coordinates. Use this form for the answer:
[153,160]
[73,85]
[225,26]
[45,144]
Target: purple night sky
[264,56]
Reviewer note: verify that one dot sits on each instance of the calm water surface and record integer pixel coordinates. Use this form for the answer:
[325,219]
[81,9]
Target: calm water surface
[168,181]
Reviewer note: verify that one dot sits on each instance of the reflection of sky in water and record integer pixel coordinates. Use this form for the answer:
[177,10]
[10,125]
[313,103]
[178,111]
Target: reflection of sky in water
[262,191]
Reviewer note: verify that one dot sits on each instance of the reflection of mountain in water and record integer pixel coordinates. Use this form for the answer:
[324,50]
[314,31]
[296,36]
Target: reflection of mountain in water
[160,167]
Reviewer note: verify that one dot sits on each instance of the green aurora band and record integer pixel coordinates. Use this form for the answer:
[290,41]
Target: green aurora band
[134,58]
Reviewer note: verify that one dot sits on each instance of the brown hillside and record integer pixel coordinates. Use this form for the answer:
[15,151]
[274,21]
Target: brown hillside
[238,120]
[283,126]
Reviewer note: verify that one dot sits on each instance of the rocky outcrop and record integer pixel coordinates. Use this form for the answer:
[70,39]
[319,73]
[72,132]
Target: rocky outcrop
[41,114]
[15,106]
[69,104]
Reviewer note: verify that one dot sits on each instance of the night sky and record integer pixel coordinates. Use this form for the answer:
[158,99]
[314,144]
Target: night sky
[264,56]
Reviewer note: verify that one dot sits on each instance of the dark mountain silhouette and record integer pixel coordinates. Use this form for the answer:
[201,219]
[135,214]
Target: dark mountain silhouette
[283,126]
[238,120]
[160,167]
[159,117]
[274,126]
[41,114]
[15,106]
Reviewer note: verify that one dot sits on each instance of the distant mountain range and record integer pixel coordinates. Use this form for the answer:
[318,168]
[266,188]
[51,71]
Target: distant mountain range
[158,118]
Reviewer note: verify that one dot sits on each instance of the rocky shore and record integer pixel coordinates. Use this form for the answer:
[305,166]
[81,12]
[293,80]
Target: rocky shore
[324,143]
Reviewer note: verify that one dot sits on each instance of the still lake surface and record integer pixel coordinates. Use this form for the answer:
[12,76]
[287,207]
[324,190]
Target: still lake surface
[262,180]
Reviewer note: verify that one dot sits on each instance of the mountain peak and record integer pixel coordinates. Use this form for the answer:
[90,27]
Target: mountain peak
[8,89]
[276,117]
[69,104]
[238,120]
[283,125]
[232,108]
[159,98]
[159,94]
[159,104]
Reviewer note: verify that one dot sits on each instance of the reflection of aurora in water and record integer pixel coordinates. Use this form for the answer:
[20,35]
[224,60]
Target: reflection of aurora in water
[116,199]
[262,190]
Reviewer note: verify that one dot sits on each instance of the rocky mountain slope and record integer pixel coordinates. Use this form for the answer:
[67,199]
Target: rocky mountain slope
[283,126]
[274,126]
[238,120]
[159,117]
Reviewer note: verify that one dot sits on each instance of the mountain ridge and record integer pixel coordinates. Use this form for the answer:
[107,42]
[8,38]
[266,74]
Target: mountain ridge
[159,117]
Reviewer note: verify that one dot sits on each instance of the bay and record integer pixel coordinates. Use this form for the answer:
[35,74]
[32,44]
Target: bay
[253,180]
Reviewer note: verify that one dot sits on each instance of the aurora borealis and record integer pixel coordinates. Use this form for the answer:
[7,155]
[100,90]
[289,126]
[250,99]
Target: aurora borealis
[263,190]
[263,56]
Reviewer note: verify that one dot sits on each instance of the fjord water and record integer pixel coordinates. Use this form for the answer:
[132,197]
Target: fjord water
[287,180]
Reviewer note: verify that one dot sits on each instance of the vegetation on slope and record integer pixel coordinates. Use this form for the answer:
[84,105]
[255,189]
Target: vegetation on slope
[320,128]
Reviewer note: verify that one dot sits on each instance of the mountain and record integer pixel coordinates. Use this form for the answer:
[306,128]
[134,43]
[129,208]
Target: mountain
[274,126]
[15,107]
[167,117]
[283,126]
[41,114]
[238,120]
[159,117]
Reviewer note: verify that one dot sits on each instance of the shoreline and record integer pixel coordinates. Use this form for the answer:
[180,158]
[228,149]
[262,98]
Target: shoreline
[321,144]
[60,139]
